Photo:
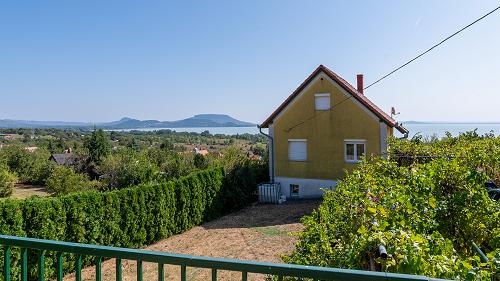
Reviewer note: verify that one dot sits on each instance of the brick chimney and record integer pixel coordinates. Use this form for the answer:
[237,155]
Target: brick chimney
[360,83]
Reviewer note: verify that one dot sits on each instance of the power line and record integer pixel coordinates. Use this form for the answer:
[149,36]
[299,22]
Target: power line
[430,49]
[390,73]
[316,114]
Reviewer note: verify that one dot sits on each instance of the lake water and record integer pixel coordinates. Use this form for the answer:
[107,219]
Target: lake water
[440,129]
[425,129]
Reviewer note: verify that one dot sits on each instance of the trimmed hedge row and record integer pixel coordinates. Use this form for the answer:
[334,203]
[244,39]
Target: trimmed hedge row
[132,217]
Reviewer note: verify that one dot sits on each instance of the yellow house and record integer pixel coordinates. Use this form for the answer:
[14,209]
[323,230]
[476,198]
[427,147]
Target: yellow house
[322,129]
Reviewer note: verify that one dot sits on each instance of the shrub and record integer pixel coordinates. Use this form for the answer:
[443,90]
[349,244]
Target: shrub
[425,212]
[64,180]
[7,182]
[126,168]
[31,167]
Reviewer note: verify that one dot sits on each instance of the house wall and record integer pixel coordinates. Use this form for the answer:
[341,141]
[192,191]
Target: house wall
[325,132]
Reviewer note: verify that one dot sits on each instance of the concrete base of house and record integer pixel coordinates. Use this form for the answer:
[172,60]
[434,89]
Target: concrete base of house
[307,188]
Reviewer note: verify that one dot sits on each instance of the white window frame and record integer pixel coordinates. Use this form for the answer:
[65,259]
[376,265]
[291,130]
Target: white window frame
[322,95]
[354,142]
[297,140]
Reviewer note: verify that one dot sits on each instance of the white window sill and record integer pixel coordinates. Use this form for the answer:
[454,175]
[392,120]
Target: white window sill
[352,161]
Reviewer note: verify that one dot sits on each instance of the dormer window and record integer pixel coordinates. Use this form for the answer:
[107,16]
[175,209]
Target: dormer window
[322,101]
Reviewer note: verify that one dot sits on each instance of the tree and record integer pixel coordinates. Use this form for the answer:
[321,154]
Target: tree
[167,145]
[97,146]
[7,182]
[200,162]
[64,180]
[125,169]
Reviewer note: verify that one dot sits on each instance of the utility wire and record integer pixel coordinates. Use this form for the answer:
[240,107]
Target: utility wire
[430,49]
[316,114]
[407,63]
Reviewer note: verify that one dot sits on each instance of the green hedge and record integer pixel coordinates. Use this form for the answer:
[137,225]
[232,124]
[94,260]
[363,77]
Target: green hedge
[132,217]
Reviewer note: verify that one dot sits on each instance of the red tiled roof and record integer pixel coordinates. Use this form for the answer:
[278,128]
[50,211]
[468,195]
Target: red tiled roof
[346,86]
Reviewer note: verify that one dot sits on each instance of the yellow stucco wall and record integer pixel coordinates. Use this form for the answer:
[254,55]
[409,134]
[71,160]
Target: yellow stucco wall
[325,133]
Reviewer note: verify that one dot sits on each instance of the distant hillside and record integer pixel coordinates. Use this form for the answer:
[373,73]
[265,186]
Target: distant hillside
[201,120]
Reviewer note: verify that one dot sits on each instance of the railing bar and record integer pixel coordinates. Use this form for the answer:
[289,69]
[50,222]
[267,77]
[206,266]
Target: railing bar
[119,270]
[214,274]
[318,273]
[244,276]
[161,272]
[59,262]
[24,264]
[6,264]
[183,273]
[98,268]
[41,265]
[139,270]
[78,268]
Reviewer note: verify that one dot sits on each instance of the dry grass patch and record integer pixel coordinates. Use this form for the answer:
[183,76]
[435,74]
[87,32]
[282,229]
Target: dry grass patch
[23,191]
[260,232]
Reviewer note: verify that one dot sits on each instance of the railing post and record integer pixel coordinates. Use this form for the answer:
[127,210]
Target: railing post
[98,268]
[139,270]
[183,273]
[118,270]
[78,268]
[161,272]
[24,264]
[244,276]
[214,274]
[6,263]
[41,265]
[59,264]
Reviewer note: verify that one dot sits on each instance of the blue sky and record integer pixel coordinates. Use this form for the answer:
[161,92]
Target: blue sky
[102,60]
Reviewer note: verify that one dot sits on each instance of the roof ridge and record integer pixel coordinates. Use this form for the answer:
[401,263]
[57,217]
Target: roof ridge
[348,87]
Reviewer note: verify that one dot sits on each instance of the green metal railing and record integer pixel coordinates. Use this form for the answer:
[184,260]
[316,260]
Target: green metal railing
[183,261]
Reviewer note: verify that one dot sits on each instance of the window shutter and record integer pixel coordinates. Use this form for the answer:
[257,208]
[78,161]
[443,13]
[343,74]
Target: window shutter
[322,101]
[297,150]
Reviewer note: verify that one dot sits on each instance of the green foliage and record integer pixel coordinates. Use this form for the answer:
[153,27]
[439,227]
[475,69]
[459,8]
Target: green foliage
[97,145]
[64,180]
[200,162]
[425,209]
[7,182]
[31,167]
[131,217]
[126,168]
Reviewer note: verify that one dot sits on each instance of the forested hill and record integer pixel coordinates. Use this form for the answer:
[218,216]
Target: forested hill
[201,120]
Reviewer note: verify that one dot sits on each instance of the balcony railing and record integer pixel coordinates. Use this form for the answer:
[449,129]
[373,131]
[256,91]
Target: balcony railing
[161,259]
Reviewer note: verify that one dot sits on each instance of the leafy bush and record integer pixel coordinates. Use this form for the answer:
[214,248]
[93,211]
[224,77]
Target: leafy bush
[130,217]
[424,210]
[7,182]
[126,168]
[31,167]
[64,180]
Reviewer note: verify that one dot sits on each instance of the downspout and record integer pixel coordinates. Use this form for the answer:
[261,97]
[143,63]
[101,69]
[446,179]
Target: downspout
[270,154]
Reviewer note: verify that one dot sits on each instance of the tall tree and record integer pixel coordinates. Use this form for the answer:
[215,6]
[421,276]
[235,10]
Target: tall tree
[97,145]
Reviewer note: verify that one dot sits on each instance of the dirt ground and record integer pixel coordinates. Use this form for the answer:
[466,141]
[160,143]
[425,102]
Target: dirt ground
[260,232]
[22,191]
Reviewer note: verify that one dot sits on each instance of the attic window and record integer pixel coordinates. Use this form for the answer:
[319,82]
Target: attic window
[322,101]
